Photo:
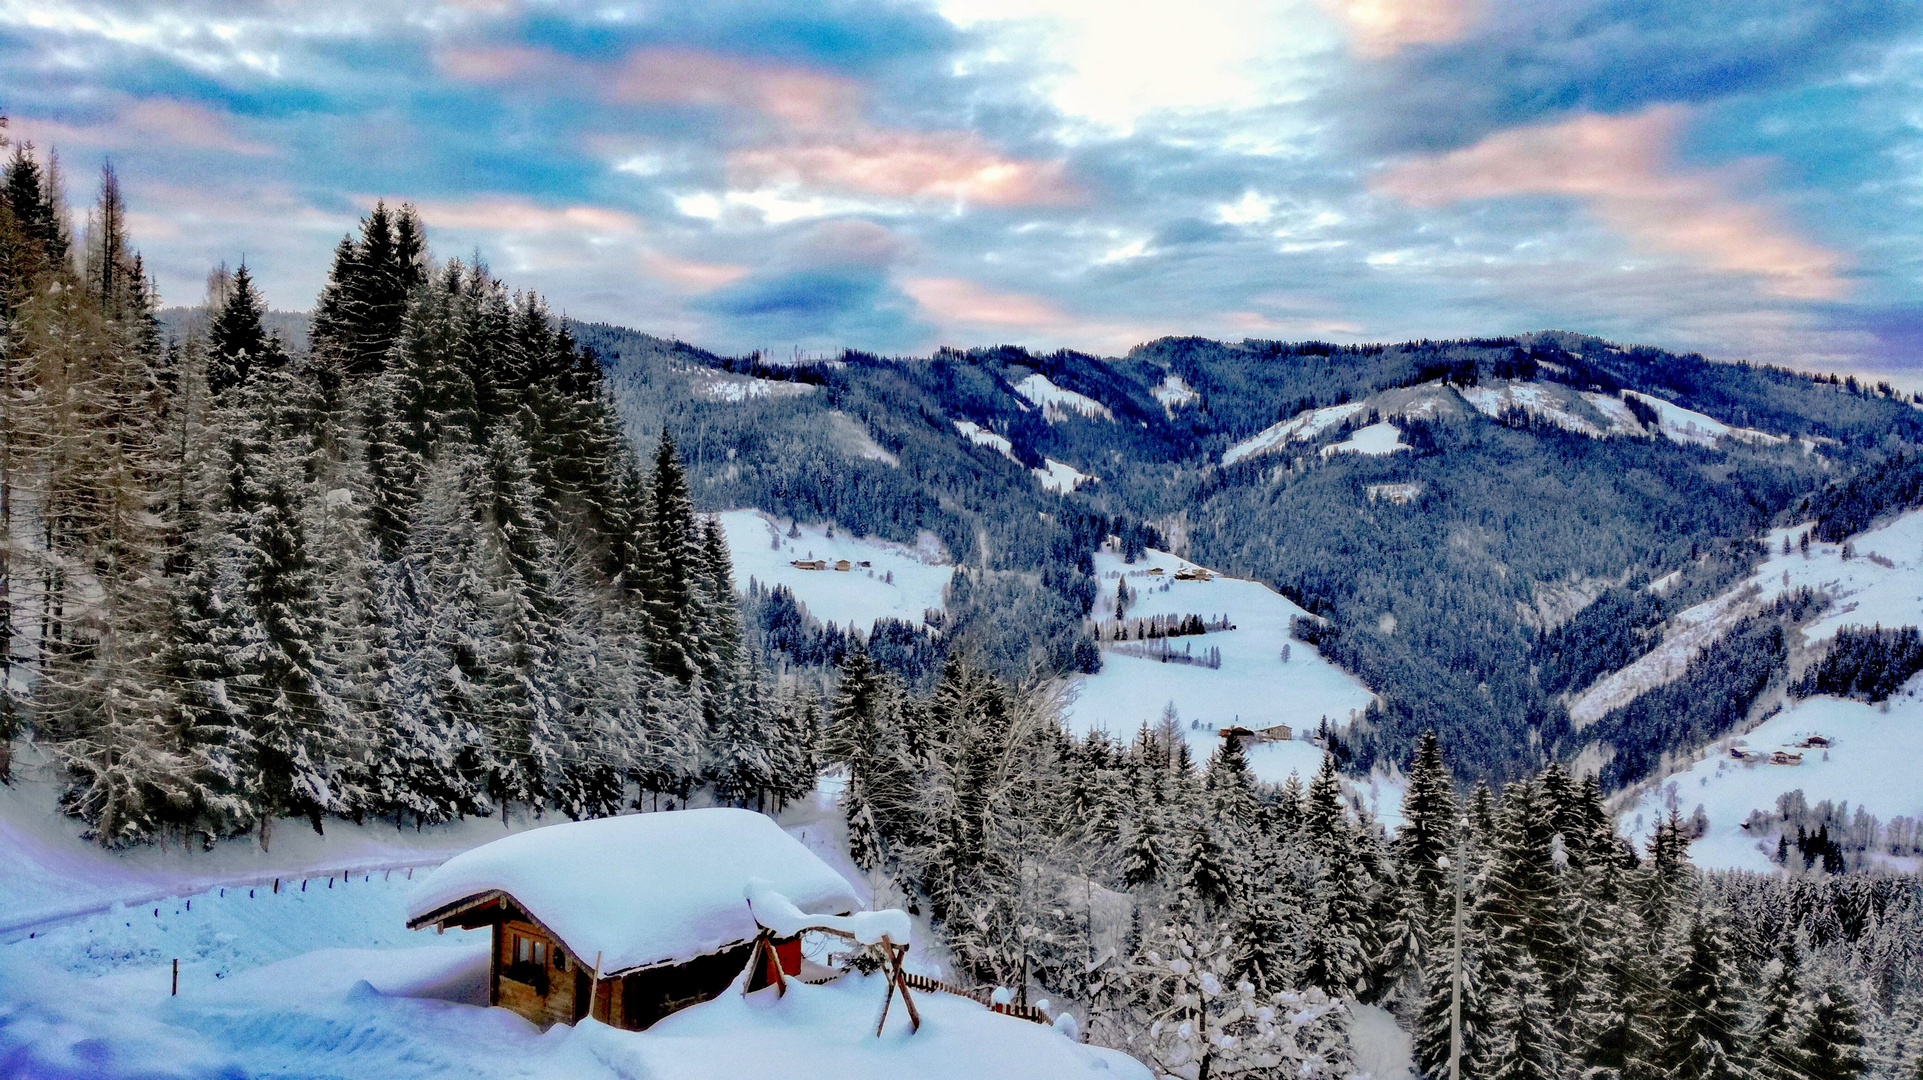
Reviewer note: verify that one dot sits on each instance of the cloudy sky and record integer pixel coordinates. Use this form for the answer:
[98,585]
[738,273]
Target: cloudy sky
[1745,179]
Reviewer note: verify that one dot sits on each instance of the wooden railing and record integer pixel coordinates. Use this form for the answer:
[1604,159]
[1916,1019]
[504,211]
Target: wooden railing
[981,996]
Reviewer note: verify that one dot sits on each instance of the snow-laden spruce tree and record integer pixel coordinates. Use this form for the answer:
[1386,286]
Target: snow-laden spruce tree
[1202,1022]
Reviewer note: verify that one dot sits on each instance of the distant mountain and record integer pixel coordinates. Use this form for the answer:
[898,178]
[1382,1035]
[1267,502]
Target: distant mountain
[1450,507]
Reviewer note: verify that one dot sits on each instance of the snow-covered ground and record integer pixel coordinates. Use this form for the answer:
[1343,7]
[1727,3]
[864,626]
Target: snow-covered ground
[327,983]
[1174,392]
[1376,439]
[981,436]
[1299,428]
[1056,403]
[1552,402]
[1254,687]
[1060,478]
[900,582]
[1863,591]
[47,872]
[1875,764]
[717,386]
[1688,426]
[1878,756]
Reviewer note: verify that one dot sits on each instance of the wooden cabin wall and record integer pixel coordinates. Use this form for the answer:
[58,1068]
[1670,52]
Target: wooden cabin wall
[547,995]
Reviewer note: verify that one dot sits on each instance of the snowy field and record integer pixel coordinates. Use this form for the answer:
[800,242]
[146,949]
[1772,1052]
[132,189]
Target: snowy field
[1878,757]
[319,977]
[92,1002]
[1876,763]
[48,872]
[761,550]
[1254,686]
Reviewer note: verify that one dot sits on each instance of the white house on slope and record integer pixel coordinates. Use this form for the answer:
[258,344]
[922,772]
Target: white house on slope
[626,919]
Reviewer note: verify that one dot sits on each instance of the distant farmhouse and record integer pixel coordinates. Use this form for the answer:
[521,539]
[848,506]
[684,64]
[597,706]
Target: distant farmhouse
[627,919]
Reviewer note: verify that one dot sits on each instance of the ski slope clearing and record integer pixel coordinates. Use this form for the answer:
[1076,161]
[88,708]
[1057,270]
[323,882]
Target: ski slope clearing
[1687,426]
[897,582]
[1375,440]
[1060,478]
[1254,687]
[1056,403]
[1874,765]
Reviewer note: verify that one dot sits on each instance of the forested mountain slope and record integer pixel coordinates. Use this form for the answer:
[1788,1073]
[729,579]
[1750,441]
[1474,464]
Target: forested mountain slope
[1519,480]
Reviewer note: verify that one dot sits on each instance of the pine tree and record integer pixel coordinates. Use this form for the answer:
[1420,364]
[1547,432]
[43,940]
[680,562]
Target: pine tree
[671,581]
[238,345]
[1426,887]
[1523,1042]
[1832,1040]
[1206,878]
[1340,947]
[1773,1038]
[1702,1039]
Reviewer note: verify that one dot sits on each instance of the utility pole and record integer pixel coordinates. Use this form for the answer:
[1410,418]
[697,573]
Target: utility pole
[1455,983]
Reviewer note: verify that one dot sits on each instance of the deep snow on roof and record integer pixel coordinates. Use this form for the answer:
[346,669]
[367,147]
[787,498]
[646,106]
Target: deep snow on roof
[642,889]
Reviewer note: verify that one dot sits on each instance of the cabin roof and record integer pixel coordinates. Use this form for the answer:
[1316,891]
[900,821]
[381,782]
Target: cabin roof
[642,889]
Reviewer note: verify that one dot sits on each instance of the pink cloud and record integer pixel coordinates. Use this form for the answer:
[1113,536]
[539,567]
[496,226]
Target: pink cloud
[791,95]
[963,308]
[498,64]
[1380,28]
[904,165]
[690,274]
[151,123]
[802,128]
[1624,169]
[522,215]
[1254,322]
[957,301]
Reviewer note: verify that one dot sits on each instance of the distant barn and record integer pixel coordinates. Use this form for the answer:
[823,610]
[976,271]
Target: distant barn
[809,564]
[625,919]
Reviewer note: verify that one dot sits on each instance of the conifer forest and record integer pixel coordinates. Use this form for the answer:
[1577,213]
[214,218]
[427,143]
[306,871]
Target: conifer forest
[440,559]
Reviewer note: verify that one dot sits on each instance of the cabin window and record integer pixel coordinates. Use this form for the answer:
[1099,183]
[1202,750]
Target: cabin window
[560,959]
[522,947]
[540,953]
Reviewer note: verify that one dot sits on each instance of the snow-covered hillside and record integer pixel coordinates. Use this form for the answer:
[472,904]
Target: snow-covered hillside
[1056,403]
[1255,687]
[1878,755]
[883,580]
[1374,440]
[1595,415]
[1874,764]
[1882,585]
[1060,478]
[1299,428]
[1174,393]
[981,436]
[1687,426]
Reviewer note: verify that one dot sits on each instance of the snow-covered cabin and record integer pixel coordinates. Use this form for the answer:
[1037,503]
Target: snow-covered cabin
[629,918]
